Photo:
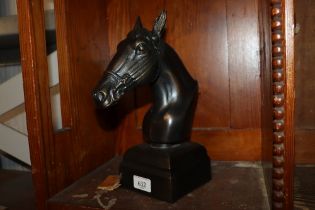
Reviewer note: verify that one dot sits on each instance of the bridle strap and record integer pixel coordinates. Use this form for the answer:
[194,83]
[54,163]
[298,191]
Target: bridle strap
[118,79]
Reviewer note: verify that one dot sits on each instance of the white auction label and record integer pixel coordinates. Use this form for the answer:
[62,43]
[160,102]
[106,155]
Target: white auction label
[141,183]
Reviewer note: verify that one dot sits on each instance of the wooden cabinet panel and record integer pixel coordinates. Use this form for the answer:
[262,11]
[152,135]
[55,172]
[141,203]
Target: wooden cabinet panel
[305,62]
[244,72]
[197,31]
[266,93]
[82,52]
[304,146]
[305,85]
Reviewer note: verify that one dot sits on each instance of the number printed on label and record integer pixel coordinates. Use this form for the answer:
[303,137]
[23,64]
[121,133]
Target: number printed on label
[141,183]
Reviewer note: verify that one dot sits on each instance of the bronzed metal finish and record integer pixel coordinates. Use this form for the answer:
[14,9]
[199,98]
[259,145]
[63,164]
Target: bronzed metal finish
[143,58]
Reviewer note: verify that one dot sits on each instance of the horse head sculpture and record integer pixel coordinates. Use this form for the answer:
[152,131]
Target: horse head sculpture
[168,162]
[143,58]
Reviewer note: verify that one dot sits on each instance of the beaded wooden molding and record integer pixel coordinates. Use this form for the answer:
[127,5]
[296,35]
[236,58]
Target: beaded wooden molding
[283,74]
[278,75]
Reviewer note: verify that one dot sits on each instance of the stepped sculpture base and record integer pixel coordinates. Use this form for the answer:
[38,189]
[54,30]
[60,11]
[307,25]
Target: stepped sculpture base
[166,173]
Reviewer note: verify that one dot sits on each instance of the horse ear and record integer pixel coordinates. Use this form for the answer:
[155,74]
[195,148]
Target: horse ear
[159,24]
[138,24]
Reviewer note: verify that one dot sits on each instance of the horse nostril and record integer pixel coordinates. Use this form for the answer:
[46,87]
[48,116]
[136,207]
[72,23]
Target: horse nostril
[100,96]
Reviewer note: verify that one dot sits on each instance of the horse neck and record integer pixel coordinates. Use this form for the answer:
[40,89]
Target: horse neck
[174,83]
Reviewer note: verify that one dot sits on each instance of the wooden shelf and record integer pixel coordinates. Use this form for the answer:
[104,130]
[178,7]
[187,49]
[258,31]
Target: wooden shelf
[235,185]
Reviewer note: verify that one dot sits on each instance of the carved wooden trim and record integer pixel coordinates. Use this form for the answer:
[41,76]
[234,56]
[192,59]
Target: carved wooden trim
[278,75]
[283,102]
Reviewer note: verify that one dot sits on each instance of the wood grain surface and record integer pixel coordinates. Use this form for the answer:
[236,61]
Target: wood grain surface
[216,194]
[36,93]
[87,140]
[266,93]
[305,86]
[304,64]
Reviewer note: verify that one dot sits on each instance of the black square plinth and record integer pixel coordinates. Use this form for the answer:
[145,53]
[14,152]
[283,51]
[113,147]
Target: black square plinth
[165,173]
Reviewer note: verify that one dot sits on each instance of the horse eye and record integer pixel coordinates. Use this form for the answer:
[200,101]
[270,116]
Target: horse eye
[140,48]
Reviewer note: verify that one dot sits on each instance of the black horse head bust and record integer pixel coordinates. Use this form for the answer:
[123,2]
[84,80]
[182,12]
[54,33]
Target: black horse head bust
[144,58]
[170,163]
